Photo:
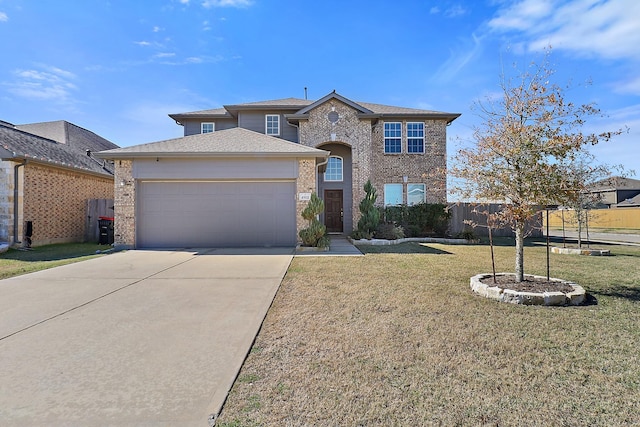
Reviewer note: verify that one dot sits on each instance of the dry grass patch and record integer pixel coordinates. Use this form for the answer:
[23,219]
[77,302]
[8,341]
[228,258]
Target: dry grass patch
[399,339]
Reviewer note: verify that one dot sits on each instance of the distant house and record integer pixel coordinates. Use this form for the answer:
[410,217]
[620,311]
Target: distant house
[242,174]
[48,172]
[618,192]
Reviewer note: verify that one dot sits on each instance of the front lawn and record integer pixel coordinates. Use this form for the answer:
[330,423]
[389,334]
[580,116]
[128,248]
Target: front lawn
[397,338]
[16,262]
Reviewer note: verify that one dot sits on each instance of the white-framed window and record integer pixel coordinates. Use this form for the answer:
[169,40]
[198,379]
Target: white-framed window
[415,194]
[334,169]
[272,124]
[392,137]
[392,194]
[207,127]
[415,137]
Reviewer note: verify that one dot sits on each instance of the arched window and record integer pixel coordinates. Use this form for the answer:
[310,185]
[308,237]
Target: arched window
[334,169]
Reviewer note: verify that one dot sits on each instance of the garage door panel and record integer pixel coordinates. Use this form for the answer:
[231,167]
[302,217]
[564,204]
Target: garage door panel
[216,214]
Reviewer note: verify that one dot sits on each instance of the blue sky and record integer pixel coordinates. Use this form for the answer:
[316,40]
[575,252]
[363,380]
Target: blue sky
[118,68]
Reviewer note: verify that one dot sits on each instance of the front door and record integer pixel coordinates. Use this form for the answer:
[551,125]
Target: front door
[333,210]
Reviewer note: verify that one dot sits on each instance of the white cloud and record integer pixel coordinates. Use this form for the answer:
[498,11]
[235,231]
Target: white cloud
[143,43]
[604,28]
[46,83]
[434,10]
[455,11]
[630,86]
[164,55]
[458,60]
[227,3]
[3,17]
[157,29]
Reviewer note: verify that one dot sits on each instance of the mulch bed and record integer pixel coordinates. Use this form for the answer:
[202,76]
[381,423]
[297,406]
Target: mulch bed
[530,284]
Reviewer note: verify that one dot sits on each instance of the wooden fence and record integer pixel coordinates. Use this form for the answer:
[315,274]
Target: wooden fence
[95,209]
[460,212]
[620,218]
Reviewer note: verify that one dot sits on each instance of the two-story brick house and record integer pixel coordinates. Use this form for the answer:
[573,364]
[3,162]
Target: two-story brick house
[331,146]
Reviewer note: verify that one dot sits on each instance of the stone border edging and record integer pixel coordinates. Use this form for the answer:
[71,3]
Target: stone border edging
[576,297]
[383,242]
[579,251]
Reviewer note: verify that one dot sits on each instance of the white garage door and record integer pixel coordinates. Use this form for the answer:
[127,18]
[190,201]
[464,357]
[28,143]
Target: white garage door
[191,214]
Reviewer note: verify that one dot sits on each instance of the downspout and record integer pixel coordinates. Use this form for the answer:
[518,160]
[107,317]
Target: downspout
[16,194]
[318,173]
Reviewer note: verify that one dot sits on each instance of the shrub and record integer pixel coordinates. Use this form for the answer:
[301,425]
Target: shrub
[315,234]
[370,215]
[389,231]
[467,234]
[421,220]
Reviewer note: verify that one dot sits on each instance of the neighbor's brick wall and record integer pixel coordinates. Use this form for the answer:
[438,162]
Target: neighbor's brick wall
[125,201]
[306,183]
[428,168]
[56,199]
[348,130]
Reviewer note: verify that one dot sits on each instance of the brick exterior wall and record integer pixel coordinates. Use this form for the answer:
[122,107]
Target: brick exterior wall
[348,130]
[125,208]
[55,201]
[306,183]
[425,168]
[368,157]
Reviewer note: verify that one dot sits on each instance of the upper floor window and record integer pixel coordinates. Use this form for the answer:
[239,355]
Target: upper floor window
[272,124]
[415,137]
[334,169]
[393,137]
[415,194]
[207,127]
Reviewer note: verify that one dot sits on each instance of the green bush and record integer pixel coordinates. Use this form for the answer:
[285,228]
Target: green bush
[315,234]
[421,220]
[370,215]
[389,231]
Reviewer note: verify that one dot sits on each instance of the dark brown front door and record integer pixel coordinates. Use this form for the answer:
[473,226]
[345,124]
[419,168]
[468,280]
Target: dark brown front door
[333,210]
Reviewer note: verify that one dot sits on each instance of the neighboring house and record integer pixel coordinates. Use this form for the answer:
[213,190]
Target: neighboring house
[48,173]
[618,192]
[242,173]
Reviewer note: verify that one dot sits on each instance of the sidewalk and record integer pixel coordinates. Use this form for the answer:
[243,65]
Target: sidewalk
[610,238]
[340,246]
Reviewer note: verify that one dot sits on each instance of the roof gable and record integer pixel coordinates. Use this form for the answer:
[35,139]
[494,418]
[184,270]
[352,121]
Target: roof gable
[333,95]
[235,142]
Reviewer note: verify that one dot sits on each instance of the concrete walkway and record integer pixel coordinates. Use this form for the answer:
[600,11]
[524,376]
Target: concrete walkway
[140,338]
[340,246]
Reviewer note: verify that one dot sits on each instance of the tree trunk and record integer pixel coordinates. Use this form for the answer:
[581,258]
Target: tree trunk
[519,229]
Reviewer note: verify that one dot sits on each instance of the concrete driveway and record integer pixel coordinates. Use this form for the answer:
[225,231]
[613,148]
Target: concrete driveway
[144,338]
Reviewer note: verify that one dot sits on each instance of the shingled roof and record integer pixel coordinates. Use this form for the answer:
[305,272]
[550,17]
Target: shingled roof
[235,142]
[18,145]
[297,106]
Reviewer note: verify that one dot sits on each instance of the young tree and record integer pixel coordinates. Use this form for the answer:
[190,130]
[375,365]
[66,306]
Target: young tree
[584,169]
[526,138]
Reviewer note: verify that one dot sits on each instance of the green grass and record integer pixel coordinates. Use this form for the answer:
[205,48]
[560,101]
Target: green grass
[397,338]
[16,262]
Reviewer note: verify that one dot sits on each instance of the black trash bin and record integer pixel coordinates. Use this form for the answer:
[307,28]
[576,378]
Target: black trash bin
[105,225]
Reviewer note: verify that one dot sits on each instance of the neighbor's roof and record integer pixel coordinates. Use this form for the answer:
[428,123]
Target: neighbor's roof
[18,145]
[616,183]
[68,133]
[634,201]
[299,106]
[235,142]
